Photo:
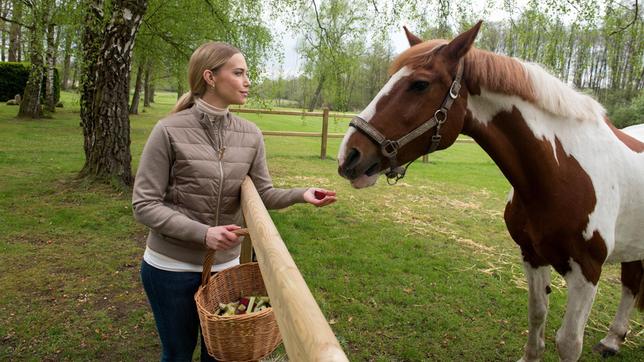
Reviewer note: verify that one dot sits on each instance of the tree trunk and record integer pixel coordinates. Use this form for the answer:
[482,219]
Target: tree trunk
[50,97]
[4,11]
[134,105]
[67,62]
[15,32]
[30,105]
[106,124]
[146,86]
[316,96]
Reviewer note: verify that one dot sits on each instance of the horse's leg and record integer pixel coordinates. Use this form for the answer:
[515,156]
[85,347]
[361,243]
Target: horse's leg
[632,274]
[537,271]
[538,290]
[581,294]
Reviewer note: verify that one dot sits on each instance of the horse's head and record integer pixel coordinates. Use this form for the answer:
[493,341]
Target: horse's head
[420,109]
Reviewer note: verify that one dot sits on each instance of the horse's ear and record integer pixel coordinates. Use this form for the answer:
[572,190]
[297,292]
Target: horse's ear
[413,39]
[460,45]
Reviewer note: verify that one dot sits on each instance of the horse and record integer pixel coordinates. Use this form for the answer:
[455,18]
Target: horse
[577,196]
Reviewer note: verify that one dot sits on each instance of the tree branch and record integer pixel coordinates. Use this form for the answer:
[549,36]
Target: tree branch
[635,17]
[178,47]
[3,18]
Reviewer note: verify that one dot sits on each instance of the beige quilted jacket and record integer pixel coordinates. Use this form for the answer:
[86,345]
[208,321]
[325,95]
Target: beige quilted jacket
[189,179]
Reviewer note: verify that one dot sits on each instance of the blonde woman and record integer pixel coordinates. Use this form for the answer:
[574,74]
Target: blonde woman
[187,191]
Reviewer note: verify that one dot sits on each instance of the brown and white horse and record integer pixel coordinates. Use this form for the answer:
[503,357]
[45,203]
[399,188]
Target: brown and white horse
[578,182]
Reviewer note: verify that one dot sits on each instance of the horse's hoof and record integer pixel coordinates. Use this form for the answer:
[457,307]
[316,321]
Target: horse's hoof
[604,351]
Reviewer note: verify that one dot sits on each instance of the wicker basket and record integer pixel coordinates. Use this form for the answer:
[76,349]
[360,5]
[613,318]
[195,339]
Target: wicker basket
[243,337]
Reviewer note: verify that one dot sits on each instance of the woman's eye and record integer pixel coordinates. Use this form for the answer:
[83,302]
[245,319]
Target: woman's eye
[419,85]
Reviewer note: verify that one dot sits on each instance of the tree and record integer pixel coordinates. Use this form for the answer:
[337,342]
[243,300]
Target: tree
[107,49]
[30,106]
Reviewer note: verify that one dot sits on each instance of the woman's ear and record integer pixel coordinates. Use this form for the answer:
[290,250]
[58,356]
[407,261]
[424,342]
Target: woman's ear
[209,77]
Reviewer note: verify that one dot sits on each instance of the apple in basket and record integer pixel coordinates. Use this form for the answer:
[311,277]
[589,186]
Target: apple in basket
[244,305]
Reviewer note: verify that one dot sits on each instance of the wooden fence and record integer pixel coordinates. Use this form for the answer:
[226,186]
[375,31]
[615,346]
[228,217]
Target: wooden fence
[324,134]
[307,335]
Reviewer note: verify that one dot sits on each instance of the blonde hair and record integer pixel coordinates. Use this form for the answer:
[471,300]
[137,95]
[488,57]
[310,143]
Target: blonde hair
[212,56]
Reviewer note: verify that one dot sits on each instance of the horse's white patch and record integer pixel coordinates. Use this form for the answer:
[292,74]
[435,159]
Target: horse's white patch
[619,327]
[510,195]
[558,98]
[581,294]
[538,282]
[368,112]
[614,169]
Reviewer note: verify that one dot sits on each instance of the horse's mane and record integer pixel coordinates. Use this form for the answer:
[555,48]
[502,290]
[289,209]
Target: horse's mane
[502,74]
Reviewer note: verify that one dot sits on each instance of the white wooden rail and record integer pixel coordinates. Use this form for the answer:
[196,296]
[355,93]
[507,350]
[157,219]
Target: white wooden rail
[307,335]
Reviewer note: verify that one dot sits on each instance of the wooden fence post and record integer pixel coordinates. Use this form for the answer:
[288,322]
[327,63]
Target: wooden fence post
[307,335]
[325,131]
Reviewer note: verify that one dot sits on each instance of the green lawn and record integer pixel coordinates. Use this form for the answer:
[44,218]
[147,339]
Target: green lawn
[420,271]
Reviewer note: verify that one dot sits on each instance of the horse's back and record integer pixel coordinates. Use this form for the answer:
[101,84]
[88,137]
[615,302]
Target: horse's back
[636,131]
[629,232]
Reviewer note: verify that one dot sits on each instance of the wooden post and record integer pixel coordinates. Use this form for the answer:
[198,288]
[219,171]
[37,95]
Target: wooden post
[425,158]
[325,131]
[306,333]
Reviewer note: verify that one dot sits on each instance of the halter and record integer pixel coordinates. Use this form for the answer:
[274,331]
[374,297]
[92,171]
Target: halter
[389,148]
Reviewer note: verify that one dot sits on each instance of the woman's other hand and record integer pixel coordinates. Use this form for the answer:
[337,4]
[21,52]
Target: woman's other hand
[221,237]
[319,197]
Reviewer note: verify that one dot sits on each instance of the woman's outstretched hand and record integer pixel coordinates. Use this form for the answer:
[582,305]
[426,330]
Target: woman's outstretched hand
[319,197]
[221,237]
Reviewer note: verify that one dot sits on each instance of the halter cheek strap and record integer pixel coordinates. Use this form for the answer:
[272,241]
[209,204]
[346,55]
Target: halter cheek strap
[389,148]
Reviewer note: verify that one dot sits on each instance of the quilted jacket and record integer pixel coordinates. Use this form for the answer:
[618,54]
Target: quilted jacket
[189,178]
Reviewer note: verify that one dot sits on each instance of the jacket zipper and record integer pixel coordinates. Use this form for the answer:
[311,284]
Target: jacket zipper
[221,168]
[221,173]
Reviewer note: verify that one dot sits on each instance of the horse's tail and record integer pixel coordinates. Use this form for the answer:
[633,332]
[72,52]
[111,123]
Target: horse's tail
[639,299]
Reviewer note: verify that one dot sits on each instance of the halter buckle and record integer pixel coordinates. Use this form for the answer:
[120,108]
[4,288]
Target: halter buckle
[389,148]
[454,89]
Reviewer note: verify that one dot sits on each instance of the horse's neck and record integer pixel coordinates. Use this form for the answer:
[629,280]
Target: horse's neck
[526,144]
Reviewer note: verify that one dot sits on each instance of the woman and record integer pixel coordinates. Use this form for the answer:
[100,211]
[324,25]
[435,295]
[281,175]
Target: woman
[187,190]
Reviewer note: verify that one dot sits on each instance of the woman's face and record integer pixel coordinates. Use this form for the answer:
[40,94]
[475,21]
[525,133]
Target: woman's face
[231,82]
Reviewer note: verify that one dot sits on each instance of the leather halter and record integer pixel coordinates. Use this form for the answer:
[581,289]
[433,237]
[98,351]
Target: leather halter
[389,148]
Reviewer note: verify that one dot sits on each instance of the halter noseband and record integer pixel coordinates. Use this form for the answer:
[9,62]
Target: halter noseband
[389,148]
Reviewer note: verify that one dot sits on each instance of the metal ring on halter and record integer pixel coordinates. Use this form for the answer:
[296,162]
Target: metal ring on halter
[443,113]
[389,148]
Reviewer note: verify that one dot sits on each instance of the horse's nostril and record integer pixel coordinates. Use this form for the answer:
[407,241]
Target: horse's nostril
[352,159]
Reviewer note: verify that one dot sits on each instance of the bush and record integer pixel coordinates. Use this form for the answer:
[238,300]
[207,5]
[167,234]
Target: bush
[624,115]
[13,79]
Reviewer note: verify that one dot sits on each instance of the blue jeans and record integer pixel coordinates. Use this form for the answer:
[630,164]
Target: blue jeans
[171,296]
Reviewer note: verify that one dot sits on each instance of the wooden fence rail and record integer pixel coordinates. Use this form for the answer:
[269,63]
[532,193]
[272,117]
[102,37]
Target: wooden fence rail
[324,135]
[307,335]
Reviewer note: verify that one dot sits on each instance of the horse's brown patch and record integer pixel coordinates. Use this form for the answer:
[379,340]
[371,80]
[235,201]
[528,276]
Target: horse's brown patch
[497,73]
[553,197]
[633,279]
[626,139]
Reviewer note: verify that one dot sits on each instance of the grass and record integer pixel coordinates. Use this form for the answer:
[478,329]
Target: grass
[421,271]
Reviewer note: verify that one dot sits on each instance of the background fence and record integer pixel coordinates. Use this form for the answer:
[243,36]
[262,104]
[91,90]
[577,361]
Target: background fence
[324,135]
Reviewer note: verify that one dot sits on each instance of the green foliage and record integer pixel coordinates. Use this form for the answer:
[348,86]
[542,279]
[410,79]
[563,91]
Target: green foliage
[624,114]
[13,79]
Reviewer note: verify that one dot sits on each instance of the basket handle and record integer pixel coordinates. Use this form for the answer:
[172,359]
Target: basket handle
[210,258]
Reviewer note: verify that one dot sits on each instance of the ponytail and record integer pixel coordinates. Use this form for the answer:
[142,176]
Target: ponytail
[186,101]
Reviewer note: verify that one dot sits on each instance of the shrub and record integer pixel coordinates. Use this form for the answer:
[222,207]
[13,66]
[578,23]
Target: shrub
[13,79]
[624,115]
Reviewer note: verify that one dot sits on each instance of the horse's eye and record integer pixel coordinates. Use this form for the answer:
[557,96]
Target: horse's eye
[419,85]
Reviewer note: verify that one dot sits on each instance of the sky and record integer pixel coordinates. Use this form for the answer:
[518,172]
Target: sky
[292,63]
